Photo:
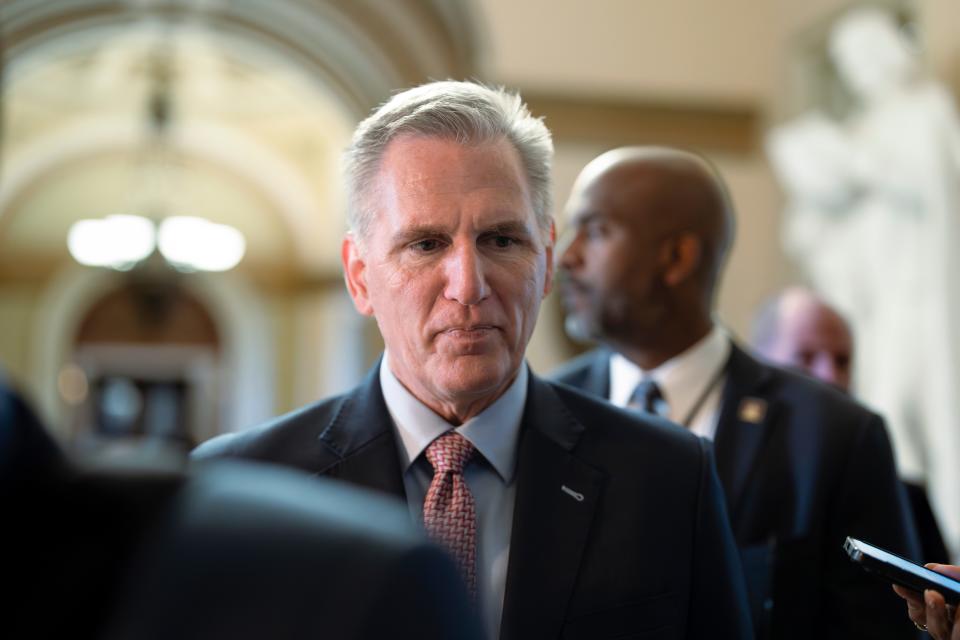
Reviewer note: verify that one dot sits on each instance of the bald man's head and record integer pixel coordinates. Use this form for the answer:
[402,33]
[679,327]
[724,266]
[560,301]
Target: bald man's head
[798,329]
[653,227]
[676,191]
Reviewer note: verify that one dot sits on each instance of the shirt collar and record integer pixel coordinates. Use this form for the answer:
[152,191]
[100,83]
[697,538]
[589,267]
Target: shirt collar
[494,431]
[682,379]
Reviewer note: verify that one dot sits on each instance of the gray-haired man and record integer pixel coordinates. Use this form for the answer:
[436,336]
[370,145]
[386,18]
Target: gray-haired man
[568,517]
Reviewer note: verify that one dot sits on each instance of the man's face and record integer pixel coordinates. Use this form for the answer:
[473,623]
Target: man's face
[612,268]
[816,341]
[454,266]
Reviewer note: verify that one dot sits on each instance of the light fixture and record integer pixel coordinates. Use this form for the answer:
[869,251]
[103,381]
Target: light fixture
[117,241]
[188,243]
[197,244]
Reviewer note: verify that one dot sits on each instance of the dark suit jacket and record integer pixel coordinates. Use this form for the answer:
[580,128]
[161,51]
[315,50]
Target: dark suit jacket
[233,551]
[646,553]
[807,469]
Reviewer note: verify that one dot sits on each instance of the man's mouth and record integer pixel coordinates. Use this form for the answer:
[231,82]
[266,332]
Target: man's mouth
[572,291]
[469,331]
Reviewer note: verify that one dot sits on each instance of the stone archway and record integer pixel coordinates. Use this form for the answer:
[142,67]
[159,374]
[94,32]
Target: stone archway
[361,50]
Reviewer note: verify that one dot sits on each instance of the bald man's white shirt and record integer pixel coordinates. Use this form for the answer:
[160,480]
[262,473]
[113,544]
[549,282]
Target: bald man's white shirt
[683,380]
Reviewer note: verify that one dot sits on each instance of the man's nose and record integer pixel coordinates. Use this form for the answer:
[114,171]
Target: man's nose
[569,250]
[466,280]
[826,369]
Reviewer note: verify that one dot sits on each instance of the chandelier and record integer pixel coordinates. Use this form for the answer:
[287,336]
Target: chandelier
[121,241]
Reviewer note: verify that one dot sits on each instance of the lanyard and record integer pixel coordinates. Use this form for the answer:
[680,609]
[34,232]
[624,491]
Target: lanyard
[711,385]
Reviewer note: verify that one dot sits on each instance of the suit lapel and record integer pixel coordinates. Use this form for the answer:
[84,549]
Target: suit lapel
[597,378]
[745,422]
[557,495]
[361,441]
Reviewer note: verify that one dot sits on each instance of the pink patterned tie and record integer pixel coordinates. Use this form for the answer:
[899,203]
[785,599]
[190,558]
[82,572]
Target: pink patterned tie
[449,513]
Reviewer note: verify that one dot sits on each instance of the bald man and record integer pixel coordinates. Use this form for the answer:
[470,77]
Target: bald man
[802,465]
[796,328]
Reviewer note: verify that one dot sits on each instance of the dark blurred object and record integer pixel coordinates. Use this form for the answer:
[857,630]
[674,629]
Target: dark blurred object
[231,551]
[28,457]
[931,542]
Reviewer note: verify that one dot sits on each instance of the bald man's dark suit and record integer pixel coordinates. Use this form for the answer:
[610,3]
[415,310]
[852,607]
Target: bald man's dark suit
[619,529]
[802,467]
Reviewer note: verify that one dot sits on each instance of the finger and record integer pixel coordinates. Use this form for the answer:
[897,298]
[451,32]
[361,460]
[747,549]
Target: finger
[916,607]
[909,595]
[937,624]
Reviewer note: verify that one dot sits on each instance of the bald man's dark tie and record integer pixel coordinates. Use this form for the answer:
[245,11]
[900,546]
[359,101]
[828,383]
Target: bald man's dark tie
[648,398]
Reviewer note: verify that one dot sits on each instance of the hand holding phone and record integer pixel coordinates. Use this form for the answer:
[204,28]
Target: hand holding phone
[901,571]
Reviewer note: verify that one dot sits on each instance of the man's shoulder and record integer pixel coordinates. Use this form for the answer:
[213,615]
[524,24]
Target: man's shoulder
[286,438]
[629,450]
[798,388]
[574,372]
[799,399]
[606,425]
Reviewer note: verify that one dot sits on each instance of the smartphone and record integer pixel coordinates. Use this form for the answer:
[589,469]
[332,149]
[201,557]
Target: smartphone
[900,570]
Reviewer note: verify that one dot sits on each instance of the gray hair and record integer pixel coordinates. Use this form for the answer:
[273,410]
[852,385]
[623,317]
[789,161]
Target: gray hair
[466,112]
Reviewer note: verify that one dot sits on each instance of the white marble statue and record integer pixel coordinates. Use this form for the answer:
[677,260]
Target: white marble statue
[874,219]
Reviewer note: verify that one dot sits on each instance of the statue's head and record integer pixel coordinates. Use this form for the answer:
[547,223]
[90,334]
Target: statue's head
[871,52]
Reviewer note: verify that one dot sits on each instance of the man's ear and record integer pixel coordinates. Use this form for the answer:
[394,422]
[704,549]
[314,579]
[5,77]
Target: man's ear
[681,257]
[550,248]
[354,274]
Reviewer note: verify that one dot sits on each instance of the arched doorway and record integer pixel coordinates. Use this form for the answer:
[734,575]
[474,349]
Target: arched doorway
[149,353]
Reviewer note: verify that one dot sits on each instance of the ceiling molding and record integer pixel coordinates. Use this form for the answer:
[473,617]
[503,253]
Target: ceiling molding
[618,122]
[362,50]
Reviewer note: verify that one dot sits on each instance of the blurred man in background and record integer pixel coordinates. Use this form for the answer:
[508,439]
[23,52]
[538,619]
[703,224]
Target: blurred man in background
[798,329]
[802,466]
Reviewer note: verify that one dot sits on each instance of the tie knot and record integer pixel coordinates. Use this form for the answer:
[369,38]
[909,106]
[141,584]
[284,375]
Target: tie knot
[449,453]
[647,396]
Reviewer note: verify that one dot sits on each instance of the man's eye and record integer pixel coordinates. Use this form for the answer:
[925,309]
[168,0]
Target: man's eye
[502,242]
[594,231]
[426,246]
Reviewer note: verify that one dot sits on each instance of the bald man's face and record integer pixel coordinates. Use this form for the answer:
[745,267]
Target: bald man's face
[814,339]
[612,268]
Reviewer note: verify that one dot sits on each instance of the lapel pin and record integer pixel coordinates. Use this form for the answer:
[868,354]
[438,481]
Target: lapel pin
[570,492]
[753,410]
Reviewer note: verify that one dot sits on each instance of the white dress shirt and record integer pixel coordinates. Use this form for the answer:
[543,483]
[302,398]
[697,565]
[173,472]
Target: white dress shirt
[490,475]
[691,383]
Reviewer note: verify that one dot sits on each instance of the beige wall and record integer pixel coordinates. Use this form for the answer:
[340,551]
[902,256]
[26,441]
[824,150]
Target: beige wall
[938,23]
[17,308]
[686,52]
[696,49]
